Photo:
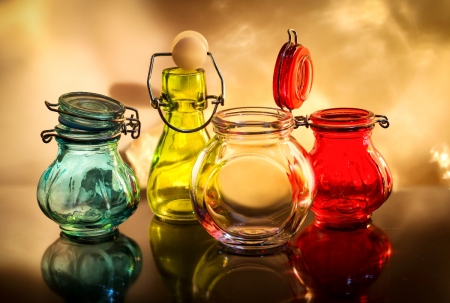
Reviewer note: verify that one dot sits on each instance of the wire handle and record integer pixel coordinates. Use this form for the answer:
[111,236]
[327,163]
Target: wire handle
[157,102]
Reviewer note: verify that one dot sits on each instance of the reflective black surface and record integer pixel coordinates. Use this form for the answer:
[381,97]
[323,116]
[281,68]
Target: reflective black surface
[403,256]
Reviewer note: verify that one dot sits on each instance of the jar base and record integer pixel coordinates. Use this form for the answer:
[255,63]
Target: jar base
[180,221]
[176,211]
[342,222]
[255,250]
[89,235]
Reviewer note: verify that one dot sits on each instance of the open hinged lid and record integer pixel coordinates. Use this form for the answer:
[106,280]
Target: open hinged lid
[293,74]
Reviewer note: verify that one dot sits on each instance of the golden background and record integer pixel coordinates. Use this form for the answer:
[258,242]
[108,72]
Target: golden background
[390,57]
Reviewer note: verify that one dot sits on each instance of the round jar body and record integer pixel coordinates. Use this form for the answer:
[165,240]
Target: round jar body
[353,180]
[88,190]
[253,184]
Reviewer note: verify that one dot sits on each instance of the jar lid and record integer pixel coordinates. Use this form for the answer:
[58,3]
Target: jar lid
[85,117]
[90,111]
[293,74]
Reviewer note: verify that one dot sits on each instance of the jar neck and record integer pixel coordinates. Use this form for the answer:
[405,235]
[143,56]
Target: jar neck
[349,134]
[106,146]
[185,120]
[254,139]
[183,91]
[70,135]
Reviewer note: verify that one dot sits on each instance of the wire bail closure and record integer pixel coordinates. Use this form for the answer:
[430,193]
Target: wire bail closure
[134,123]
[304,121]
[157,102]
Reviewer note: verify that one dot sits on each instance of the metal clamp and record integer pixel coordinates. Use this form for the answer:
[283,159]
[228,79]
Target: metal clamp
[382,120]
[47,136]
[157,103]
[134,123]
[304,121]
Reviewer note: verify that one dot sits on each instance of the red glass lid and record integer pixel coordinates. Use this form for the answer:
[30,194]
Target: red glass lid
[293,74]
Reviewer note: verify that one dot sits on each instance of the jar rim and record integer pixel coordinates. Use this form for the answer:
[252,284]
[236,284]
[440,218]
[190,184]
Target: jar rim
[252,120]
[183,73]
[342,118]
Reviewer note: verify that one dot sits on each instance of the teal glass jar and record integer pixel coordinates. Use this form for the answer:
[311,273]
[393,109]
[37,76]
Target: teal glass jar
[88,190]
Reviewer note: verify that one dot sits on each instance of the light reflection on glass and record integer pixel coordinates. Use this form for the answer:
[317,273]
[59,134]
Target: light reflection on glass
[342,264]
[99,272]
[222,276]
[176,250]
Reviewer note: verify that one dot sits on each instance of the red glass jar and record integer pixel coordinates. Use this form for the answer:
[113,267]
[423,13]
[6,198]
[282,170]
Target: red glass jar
[352,178]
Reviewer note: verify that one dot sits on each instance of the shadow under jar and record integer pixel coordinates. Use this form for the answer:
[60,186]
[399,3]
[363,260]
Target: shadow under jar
[353,180]
[88,190]
[253,184]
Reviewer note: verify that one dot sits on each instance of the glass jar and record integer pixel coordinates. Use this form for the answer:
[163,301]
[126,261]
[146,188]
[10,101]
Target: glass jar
[183,99]
[353,180]
[253,184]
[88,190]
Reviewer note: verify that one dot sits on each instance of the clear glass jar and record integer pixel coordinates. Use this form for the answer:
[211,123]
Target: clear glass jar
[88,190]
[183,100]
[353,179]
[253,184]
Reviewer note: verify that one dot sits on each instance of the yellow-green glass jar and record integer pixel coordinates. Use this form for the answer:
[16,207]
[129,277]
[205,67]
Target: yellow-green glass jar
[183,98]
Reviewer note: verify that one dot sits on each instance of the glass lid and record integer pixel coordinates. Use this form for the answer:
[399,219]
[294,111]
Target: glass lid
[90,111]
[293,74]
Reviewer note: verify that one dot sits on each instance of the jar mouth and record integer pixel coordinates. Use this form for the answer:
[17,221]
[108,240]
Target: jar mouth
[342,118]
[252,120]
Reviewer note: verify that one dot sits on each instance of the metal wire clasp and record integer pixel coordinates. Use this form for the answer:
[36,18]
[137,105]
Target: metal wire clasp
[132,122]
[156,102]
[382,120]
[304,121]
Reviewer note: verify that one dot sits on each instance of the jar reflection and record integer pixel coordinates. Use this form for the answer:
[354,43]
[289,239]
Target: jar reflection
[342,265]
[176,250]
[222,276]
[100,272]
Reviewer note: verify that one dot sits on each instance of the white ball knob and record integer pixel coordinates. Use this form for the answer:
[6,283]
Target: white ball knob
[190,34]
[189,50]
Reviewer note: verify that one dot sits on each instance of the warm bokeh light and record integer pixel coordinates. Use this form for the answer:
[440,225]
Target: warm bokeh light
[441,155]
[390,57]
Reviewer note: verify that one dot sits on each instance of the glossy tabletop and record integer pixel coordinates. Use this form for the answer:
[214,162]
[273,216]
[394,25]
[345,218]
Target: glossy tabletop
[403,256]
